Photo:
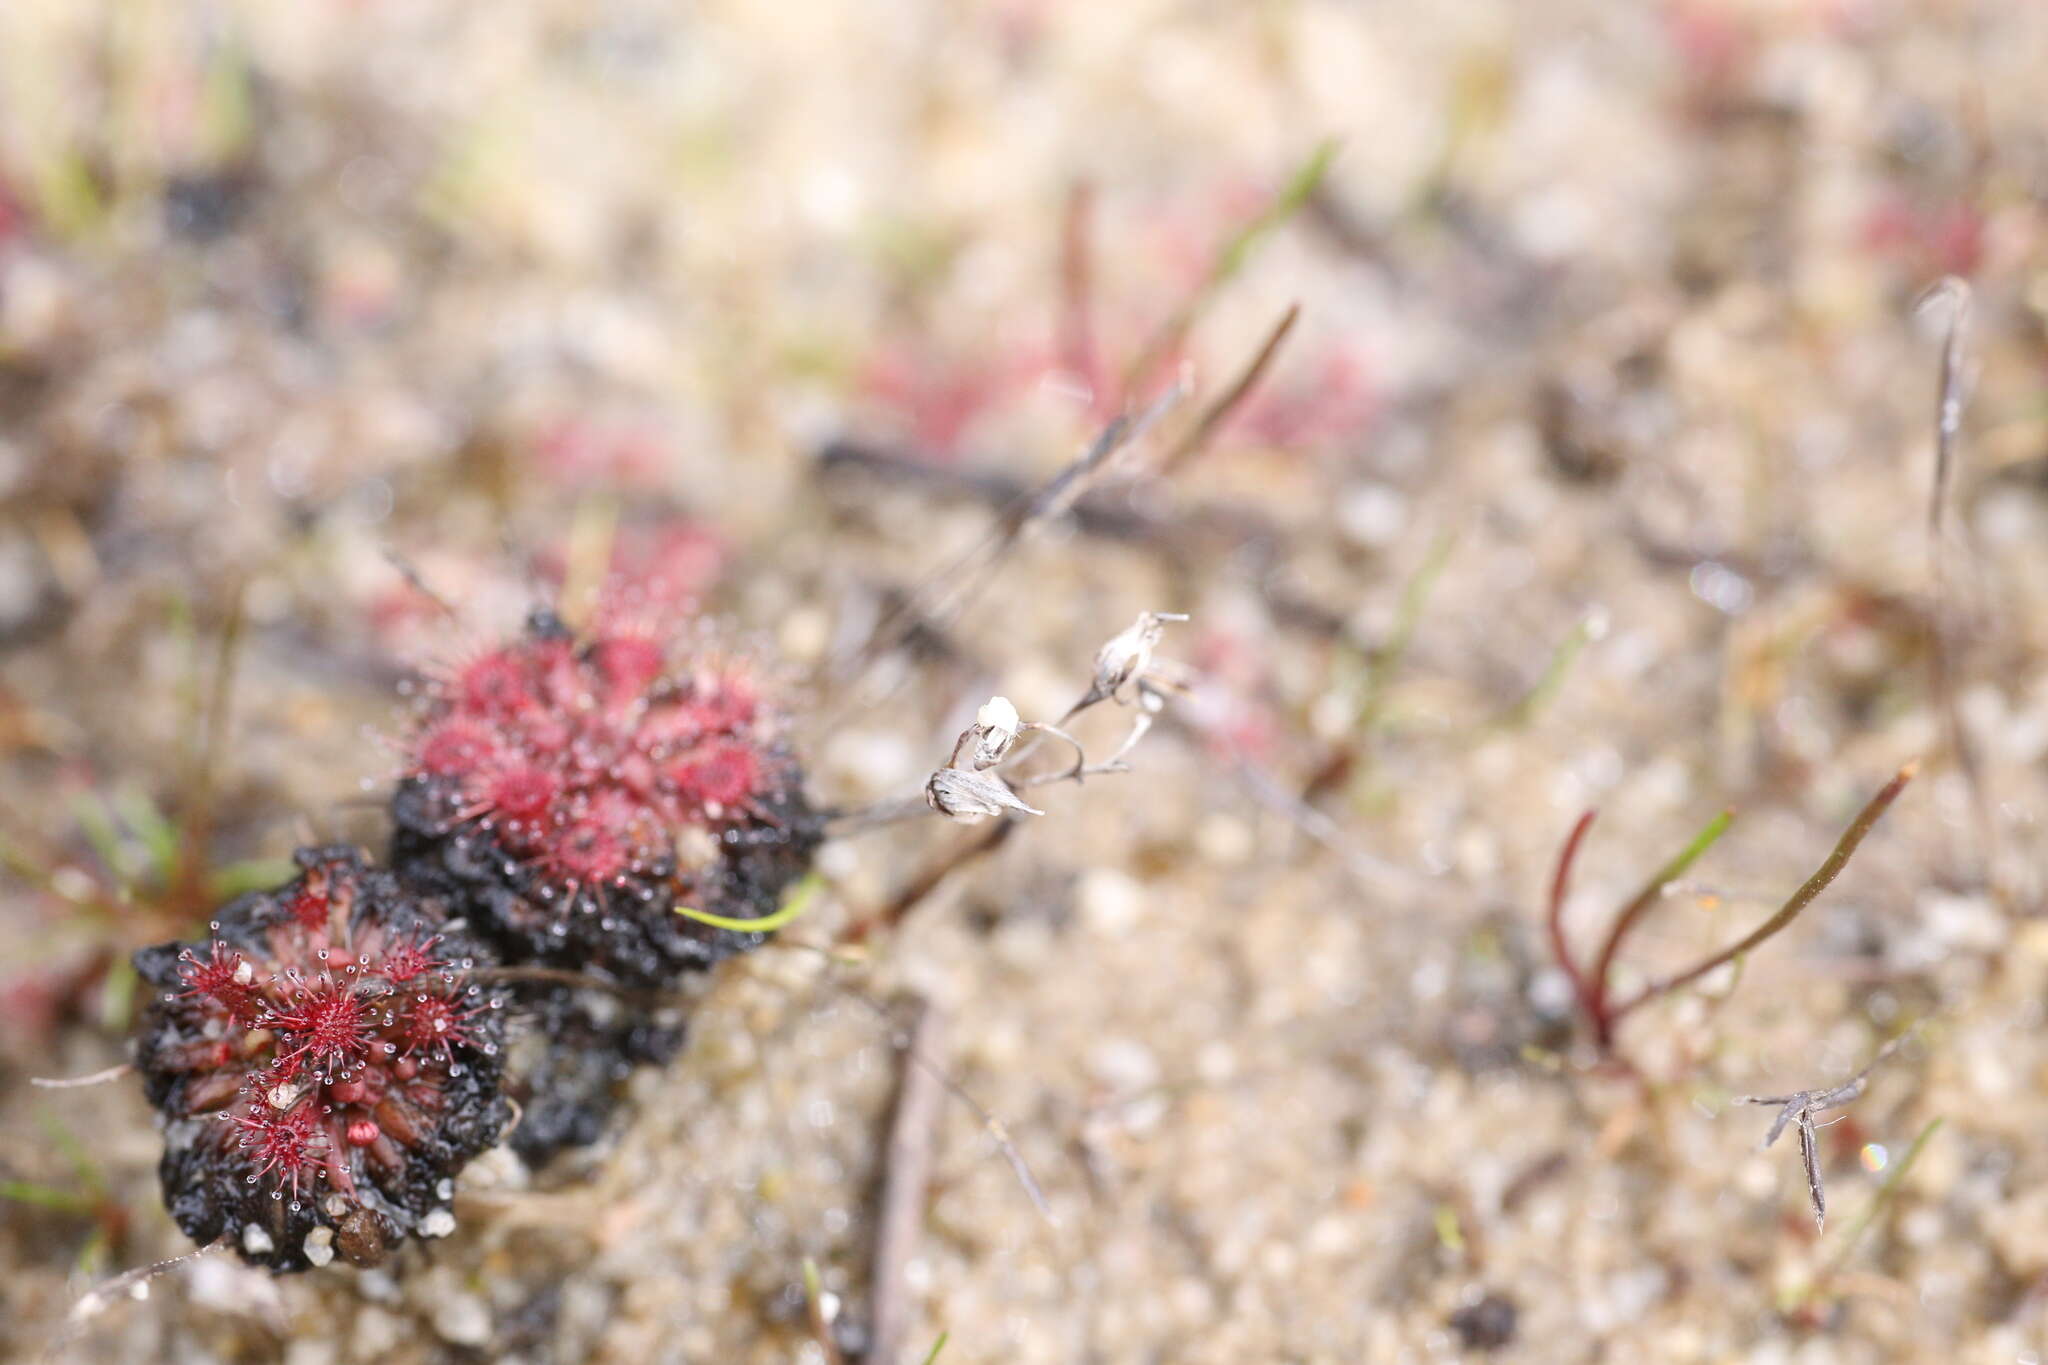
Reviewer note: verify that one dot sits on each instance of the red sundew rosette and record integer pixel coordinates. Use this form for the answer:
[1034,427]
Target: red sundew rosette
[324,1066]
[569,793]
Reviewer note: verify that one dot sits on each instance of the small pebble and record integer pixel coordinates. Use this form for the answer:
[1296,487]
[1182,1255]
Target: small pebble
[463,1320]
[1110,902]
[1486,1324]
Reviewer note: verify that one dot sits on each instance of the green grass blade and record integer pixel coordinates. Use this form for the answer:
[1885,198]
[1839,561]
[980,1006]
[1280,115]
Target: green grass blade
[96,822]
[1552,682]
[45,1197]
[159,836]
[1886,1193]
[1386,661]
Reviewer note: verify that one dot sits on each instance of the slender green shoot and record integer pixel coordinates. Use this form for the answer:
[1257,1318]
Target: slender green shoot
[46,1197]
[821,1325]
[159,836]
[1230,260]
[74,1150]
[1538,697]
[1386,661]
[96,822]
[795,904]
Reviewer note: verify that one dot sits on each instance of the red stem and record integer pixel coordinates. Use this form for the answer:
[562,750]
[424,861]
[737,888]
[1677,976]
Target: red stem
[1582,994]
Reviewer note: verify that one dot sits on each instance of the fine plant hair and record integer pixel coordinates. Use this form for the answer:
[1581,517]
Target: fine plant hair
[1592,989]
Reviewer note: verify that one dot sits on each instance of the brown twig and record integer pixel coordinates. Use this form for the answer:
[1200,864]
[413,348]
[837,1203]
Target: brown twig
[993,1126]
[1186,533]
[978,844]
[951,588]
[1212,529]
[558,976]
[906,1180]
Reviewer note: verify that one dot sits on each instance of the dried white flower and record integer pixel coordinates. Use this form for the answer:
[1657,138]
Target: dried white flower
[1127,655]
[994,732]
[970,797]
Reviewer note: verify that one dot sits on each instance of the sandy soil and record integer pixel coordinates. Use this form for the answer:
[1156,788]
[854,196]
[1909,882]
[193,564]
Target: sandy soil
[1595,473]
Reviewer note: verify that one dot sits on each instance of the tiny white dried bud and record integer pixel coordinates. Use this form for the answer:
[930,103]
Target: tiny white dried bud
[244,972]
[970,797]
[1129,654]
[994,732]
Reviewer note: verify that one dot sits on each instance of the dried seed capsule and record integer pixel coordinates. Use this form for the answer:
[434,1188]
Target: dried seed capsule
[971,797]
